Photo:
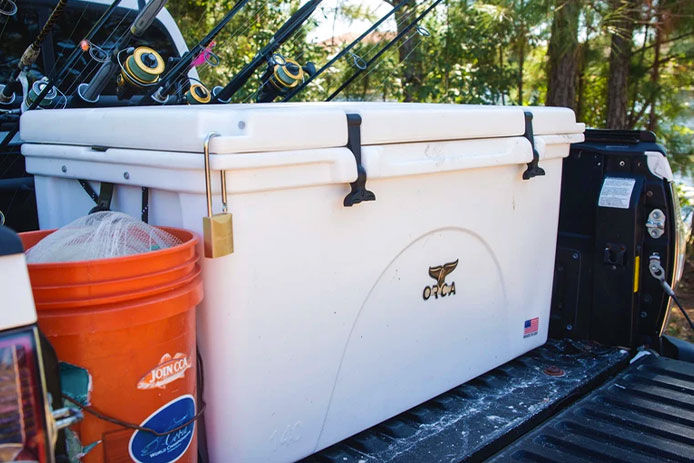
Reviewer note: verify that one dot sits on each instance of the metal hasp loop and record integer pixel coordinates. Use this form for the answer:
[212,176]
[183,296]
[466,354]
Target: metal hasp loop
[533,169]
[359,192]
[217,229]
[208,179]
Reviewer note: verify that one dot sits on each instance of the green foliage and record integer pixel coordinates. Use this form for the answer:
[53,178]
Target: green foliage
[484,52]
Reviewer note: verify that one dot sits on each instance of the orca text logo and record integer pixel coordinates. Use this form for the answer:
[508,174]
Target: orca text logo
[441,288]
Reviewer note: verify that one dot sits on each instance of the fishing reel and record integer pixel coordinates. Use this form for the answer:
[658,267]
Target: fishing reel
[49,99]
[198,94]
[281,76]
[142,68]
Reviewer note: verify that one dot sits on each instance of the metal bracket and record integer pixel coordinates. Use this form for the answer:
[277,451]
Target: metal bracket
[359,192]
[533,169]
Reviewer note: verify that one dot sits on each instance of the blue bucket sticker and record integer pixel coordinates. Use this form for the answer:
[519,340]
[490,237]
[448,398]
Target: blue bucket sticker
[145,447]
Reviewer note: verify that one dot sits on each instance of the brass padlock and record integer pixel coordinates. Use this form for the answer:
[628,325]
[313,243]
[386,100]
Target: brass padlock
[217,229]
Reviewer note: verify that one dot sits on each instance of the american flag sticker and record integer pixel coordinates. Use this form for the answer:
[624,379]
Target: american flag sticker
[530,327]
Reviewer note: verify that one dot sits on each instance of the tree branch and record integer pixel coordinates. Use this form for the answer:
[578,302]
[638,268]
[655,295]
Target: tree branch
[674,39]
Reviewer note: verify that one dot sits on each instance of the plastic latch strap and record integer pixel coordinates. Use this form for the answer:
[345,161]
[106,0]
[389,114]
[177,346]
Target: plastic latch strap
[534,168]
[90,191]
[359,192]
[145,205]
[104,199]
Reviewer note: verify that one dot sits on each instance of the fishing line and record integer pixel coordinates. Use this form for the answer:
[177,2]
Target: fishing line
[398,37]
[77,52]
[8,13]
[246,27]
[367,51]
[249,24]
[58,79]
[383,81]
[294,23]
[172,79]
[365,64]
[297,58]
[373,69]
[95,65]
[356,59]
[18,78]
[4,25]
[345,50]
[68,38]
[92,66]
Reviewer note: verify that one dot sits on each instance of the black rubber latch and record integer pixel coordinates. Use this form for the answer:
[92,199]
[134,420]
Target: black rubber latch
[359,192]
[145,205]
[90,191]
[104,199]
[534,168]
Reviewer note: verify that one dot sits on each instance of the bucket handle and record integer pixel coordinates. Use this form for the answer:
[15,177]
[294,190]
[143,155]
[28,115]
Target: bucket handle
[125,424]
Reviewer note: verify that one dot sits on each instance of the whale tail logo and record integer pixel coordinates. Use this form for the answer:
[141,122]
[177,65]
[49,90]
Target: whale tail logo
[440,272]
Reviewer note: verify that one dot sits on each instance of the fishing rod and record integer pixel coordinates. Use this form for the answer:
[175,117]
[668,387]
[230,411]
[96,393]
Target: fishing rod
[142,67]
[282,74]
[198,92]
[399,36]
[346,50]
[30,55]
[60,76]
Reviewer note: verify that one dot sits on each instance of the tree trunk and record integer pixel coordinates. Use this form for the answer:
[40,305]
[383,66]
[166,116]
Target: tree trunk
[620,58]
[655,75]
[521,62]
[410,59]
[563,43]
[501,69]
[581,75]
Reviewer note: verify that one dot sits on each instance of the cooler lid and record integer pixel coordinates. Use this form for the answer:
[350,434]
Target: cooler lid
[416,122]
[245,128]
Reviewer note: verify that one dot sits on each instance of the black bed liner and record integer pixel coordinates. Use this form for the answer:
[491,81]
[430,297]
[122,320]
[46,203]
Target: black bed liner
[475,420]
[645,414]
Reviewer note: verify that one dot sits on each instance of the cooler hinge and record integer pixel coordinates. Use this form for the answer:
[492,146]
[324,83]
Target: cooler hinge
[534,168]
[359,192]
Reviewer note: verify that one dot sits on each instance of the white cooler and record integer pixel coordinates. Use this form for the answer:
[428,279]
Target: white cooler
[328,319]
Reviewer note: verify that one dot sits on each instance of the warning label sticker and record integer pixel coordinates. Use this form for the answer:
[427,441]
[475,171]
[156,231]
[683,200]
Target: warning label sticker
[616,192]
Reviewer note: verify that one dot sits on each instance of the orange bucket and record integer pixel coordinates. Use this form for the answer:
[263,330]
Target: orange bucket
[130,322]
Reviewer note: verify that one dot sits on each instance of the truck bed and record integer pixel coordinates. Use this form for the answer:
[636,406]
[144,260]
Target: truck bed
[645,414]
[474,421]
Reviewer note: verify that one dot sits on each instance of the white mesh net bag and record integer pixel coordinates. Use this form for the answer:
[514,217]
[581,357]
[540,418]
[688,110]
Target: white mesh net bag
[99,236]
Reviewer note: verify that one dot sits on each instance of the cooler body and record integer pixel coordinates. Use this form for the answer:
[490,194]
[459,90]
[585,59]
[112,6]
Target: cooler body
[328,319]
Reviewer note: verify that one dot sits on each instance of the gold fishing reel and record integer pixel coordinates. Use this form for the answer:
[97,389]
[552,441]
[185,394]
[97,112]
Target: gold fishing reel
[198,94]
[286,73]
[141,68]
[281,76]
